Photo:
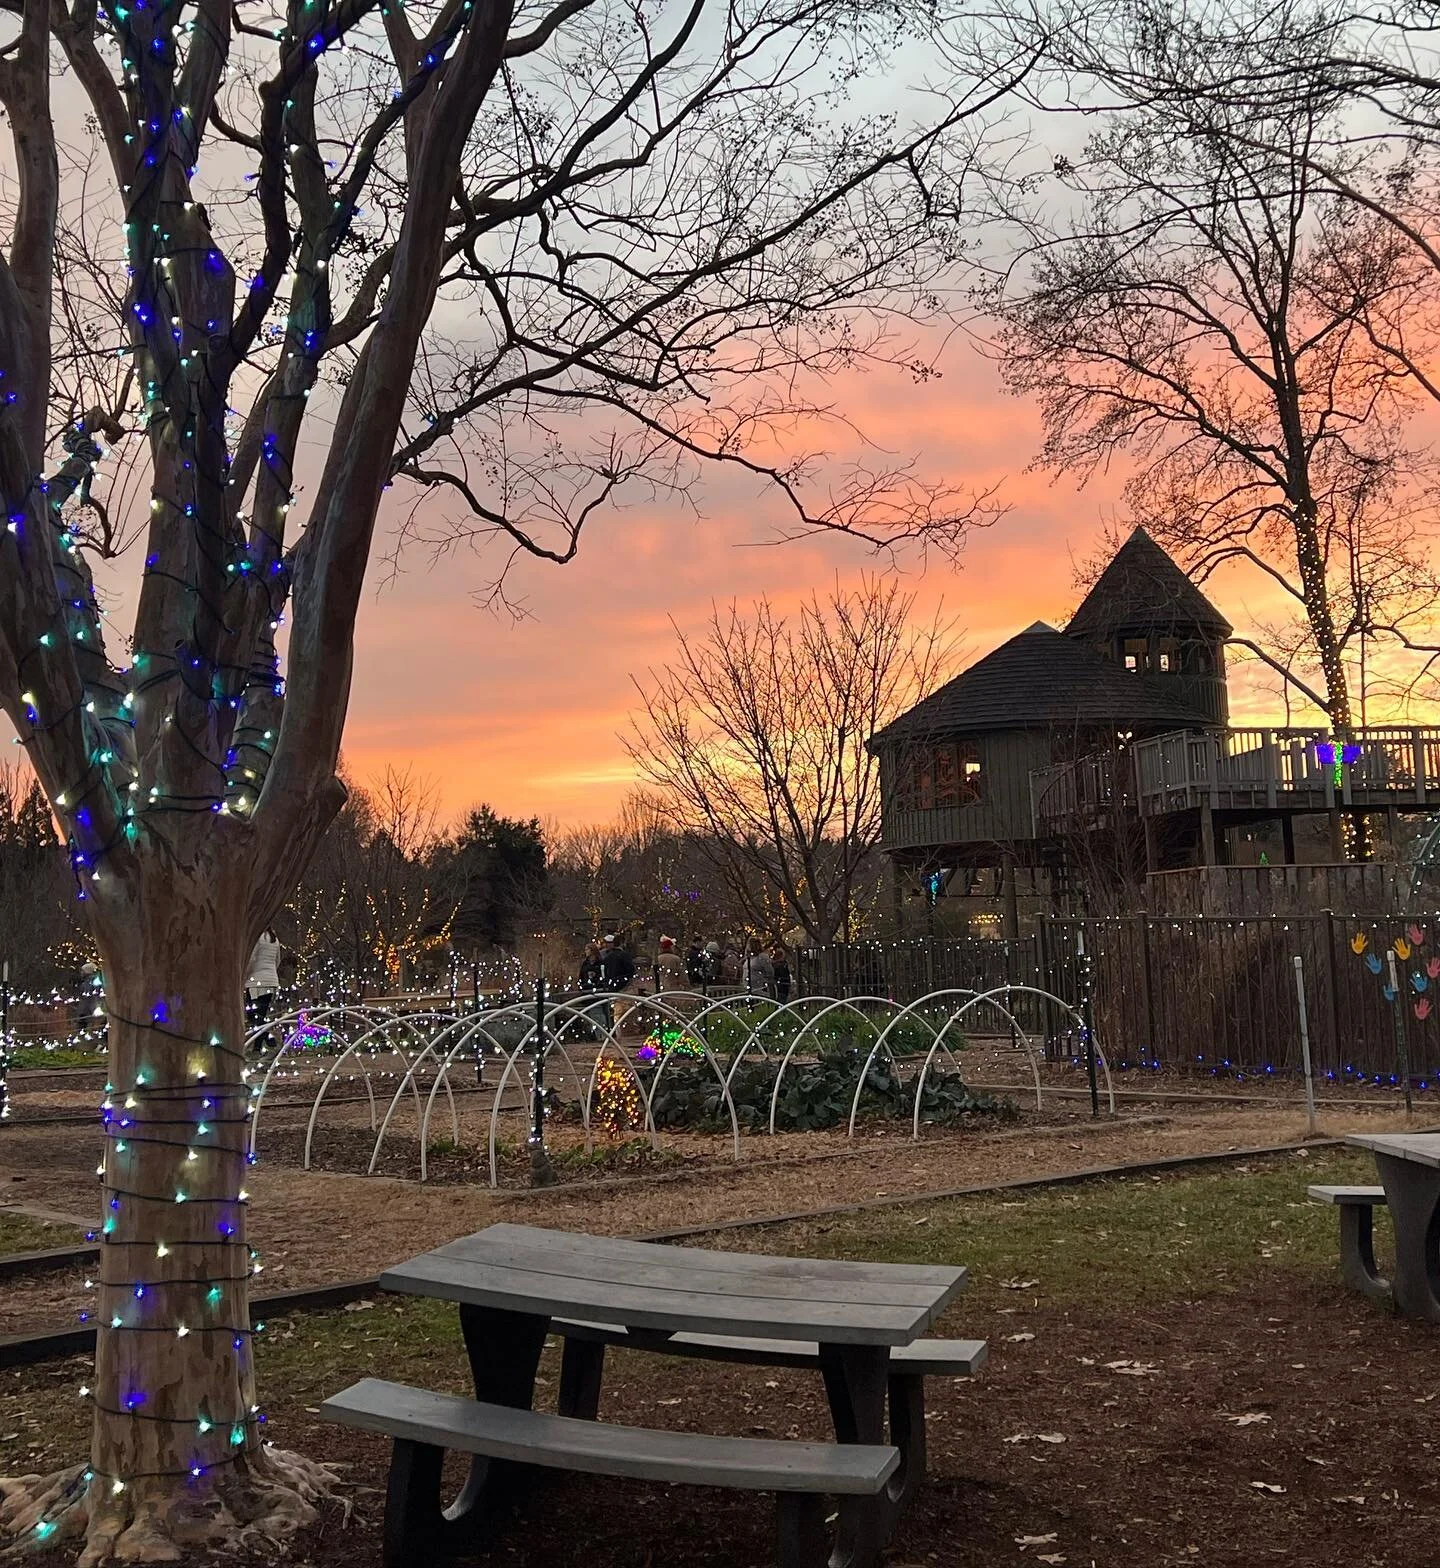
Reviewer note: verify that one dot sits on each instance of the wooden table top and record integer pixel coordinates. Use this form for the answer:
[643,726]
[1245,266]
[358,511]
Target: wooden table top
[1422,1148]
[638,1284]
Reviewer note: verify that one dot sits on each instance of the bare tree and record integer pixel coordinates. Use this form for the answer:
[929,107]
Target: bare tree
[757,739]
[373,903]
[1365,88]
[37,915]
[379,245]
[1206,311]
[641,870]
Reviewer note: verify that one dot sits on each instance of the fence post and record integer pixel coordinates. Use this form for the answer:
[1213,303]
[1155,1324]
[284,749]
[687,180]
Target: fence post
[1087,1022]
[1009,1002]
[1402,1047]
[1147,980]
[1042,980]
[1305,1046]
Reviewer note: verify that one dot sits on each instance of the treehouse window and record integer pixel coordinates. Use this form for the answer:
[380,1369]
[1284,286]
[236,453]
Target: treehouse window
[1169,656]
[942,776]
[1135,652]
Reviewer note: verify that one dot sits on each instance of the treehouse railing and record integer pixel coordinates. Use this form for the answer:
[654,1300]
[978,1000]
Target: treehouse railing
[1247,769]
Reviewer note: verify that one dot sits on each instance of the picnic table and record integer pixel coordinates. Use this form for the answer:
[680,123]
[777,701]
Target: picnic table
[1409,1168]
[511,1281]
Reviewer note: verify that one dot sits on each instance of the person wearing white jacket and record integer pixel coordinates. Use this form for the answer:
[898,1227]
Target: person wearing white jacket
[262,981]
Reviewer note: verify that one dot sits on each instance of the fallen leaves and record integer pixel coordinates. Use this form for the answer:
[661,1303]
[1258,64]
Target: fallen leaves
[1022,1541]
[1267,1486]
[1018,1284]
[1133,1368]
[1018,1339]
[1035,1437]
[1250,1418]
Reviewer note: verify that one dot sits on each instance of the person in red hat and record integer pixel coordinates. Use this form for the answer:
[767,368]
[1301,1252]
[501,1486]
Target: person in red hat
[669,967]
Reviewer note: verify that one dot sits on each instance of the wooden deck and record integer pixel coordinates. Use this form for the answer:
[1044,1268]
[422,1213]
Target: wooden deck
[1246,770]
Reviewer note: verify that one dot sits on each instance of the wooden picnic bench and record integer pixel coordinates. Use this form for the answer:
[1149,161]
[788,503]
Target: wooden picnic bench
[514,1283]
[1357,1236]
[1409,1168]
[425,1425]
[582,1370]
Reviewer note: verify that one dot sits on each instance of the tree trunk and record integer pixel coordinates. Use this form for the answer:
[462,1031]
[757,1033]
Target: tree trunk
[176,1458]
[1319,614]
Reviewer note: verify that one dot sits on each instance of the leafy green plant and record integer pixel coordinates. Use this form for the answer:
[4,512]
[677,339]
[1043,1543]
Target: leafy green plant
[845,1028]
[814,1094]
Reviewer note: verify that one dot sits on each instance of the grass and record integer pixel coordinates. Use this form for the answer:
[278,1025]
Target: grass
[1135,1240]
[19,1233]
[1138,1239]
[61,1056]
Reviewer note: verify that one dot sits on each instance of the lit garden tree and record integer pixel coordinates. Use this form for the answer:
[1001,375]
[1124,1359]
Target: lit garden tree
[612,238]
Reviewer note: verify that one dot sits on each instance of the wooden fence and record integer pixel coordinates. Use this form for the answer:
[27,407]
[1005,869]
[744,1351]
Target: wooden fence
[1200,993]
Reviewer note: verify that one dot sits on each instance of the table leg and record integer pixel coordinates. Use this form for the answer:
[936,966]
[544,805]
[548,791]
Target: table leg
[907,1433]
[582,1372]
[1412,1192]
[856,1381]
[504,1352]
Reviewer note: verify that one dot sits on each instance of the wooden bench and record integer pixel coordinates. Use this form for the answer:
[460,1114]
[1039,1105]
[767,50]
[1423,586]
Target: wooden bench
[582,1369]
[424,1425]
[1357,1236]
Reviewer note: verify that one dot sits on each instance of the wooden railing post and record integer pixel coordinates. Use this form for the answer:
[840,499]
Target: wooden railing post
[1417,743]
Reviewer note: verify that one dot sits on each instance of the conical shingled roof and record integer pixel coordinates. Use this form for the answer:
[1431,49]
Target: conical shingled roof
[1041,679]
[1142,590]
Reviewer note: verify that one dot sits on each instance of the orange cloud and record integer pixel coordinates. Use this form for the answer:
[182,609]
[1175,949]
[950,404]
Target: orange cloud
[526,716]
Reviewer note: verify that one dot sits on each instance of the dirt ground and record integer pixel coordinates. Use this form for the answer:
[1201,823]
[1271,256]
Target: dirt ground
[1051,1456]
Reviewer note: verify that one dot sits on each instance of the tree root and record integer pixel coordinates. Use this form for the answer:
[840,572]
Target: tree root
[254,1504]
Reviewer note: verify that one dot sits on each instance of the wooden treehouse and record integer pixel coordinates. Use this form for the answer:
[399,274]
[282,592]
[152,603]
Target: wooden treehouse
[1065,764]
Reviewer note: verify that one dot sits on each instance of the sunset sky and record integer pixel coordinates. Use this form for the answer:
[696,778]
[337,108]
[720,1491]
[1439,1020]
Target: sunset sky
[526,716]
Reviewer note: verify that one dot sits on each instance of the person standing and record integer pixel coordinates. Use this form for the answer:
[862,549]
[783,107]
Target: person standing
[759,975]
[590,982]
[90,1019]
[669,967]
[695,963]
[262,981]
[617,970]
[780,968]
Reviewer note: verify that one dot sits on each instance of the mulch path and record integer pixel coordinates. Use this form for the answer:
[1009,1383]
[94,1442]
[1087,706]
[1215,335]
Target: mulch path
[1293,1426]
[319,1227]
